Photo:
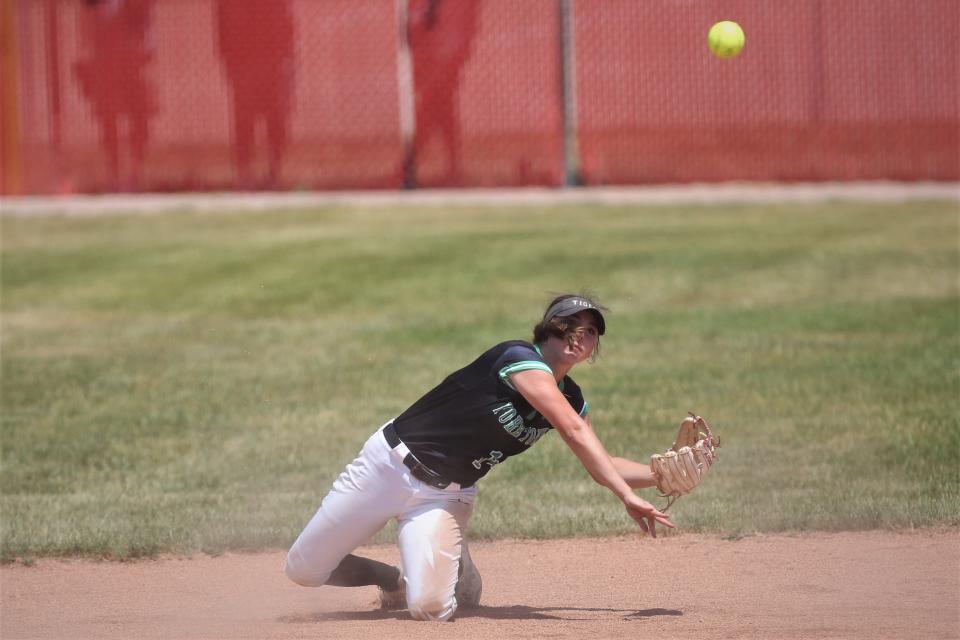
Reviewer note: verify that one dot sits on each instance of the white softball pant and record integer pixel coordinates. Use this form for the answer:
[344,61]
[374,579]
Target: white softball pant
[374,488]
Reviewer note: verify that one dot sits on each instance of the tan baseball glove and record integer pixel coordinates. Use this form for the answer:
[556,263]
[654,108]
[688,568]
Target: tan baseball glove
[680,469]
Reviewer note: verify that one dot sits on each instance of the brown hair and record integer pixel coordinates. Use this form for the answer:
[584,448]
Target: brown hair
[564,327]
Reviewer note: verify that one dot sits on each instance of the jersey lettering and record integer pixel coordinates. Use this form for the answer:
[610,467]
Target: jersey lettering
[494,458]
[505,412]
[532,435]
[513,424]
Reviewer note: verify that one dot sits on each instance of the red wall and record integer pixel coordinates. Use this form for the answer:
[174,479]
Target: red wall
[824,90]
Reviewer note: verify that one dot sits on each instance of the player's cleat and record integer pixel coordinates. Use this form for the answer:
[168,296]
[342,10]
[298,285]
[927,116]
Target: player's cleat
[396,599]
[469,583]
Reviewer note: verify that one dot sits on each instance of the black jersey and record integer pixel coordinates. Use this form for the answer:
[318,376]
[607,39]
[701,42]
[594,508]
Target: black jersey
[475,419]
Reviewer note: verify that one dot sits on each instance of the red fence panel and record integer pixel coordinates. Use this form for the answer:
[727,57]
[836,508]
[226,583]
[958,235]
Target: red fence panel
[164,95]
[823,90]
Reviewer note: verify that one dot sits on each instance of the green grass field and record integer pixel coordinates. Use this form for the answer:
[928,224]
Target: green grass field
[184,383]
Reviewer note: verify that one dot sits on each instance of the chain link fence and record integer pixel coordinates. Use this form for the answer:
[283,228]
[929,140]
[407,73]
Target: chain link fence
[211,95]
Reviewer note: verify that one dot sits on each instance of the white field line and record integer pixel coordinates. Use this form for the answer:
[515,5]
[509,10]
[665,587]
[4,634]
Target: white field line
[693,194]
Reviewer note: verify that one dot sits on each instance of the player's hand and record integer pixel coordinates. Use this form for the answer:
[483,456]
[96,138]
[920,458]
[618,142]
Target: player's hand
[645,514]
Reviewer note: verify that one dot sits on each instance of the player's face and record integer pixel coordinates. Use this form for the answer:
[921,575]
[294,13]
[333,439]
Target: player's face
[583,341]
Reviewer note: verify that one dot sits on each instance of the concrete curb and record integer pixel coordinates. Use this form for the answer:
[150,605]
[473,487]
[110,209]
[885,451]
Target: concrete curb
[694,194]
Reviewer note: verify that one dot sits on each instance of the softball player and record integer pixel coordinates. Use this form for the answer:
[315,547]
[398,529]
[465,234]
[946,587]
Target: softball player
[422,467]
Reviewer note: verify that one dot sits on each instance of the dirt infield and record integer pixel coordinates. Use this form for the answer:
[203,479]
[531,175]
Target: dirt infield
[868,585]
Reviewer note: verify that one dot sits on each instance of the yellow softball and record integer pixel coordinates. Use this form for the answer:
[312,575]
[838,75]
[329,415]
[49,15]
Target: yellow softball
[725,39]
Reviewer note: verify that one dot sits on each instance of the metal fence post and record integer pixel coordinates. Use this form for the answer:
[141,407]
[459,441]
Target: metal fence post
[571,152]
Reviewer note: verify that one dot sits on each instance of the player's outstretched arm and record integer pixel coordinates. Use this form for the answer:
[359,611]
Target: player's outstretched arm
[540,390]
[636,474]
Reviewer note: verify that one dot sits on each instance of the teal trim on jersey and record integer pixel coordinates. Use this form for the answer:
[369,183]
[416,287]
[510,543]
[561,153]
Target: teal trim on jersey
[524,365]
[545,367]
[533,364]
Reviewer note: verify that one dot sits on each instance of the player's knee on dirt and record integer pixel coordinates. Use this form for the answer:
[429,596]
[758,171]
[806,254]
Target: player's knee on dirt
[432,609]
[302,573]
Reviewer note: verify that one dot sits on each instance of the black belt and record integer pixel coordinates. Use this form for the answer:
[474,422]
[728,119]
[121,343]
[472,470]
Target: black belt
[418,470]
